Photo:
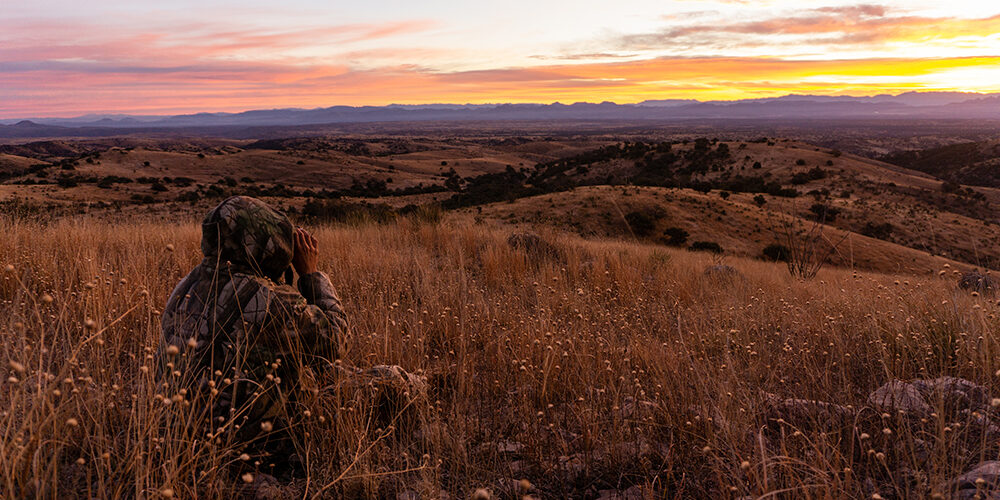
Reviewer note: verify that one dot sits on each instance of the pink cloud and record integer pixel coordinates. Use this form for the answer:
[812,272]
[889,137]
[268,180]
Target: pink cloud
[853,24]
[204,67]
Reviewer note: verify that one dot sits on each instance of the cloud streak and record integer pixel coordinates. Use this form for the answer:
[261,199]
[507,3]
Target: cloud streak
[53,67]
[242,86]
[853,24]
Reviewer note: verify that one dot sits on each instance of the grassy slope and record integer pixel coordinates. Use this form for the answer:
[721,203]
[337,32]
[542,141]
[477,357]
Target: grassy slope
[866,192]
[549,353]
[737,224]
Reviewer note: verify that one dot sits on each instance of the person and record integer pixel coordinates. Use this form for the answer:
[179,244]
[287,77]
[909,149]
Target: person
[238,338]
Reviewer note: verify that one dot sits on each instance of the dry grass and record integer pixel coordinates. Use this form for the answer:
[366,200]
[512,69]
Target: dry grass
[736,223]
[613,365]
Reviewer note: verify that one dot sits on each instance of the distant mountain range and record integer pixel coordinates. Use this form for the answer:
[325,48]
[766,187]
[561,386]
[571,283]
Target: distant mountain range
[910,105]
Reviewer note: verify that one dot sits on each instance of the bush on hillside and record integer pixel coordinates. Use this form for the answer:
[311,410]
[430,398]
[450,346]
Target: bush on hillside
[706,246]
[675,236]
[642,224]
[776,252]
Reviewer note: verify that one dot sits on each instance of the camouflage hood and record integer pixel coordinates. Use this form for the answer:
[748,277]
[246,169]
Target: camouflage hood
[249,235]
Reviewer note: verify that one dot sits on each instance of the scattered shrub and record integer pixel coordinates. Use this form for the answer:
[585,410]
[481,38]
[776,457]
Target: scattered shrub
[824,213]
[875,230]
[189,196]
[344,211]
[706,246]
[776,252]
[675,236]
[641,223]
[975,281]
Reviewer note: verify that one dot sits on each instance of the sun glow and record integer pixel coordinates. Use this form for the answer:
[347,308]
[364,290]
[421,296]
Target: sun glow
[54,59]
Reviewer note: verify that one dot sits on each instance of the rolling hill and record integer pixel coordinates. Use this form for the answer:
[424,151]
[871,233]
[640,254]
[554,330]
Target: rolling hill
[741,195]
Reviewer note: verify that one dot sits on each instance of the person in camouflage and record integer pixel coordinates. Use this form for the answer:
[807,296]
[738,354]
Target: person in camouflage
[236,339]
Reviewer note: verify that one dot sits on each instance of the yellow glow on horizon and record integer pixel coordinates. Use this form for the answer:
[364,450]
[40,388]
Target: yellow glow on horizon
[659,50]
[627,82]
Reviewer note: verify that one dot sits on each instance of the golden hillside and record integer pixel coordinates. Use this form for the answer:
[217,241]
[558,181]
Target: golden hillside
[576,368]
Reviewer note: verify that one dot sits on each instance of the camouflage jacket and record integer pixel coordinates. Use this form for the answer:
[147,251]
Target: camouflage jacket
[234,340]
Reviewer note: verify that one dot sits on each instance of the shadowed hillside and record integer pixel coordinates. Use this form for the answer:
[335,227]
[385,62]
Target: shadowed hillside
[972,163]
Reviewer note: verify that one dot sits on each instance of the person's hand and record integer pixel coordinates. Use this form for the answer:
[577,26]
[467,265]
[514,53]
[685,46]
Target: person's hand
[306,255]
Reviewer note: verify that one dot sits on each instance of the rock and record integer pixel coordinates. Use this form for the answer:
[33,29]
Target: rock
[711,415]
[955,393]
[572,467]
[921,451]
[637,409]
[974,281]
[898,395]
[518,467]
[981,423]
[569,438]
[267,487]
[633,493]
[808,414]
[871,489]
[509,447]
[634,450]
[415,495]
[513,488]
[965,486]
[905,479]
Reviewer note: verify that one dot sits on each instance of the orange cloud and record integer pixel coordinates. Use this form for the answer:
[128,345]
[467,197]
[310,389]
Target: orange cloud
[235,86]
[203,68]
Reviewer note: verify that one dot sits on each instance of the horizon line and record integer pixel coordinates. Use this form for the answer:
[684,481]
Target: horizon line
[498,103]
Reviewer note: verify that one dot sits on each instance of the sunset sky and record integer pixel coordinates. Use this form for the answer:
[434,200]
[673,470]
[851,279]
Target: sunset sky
[68,57]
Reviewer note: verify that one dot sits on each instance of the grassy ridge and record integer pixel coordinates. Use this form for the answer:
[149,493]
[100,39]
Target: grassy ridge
[600,365]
